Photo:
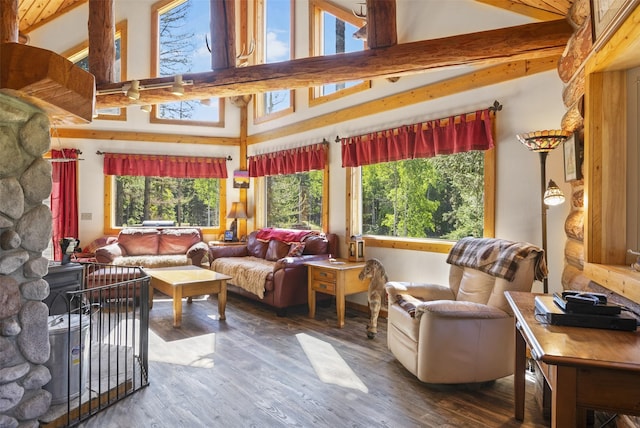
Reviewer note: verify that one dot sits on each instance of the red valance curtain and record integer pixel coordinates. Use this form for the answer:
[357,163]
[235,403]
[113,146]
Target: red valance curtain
[291,161]
[64,198]
[455,134]
[164,166]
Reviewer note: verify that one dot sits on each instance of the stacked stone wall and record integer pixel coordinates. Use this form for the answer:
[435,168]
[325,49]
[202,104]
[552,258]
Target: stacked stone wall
[25,231]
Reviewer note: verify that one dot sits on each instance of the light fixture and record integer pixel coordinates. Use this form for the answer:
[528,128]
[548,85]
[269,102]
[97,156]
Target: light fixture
[543,142]
[146,108]
[178,87]
[553,195]
[133,92]
[206,102]
[237,211]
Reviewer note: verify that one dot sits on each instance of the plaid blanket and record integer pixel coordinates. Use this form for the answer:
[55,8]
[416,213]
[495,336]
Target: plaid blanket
[496,257]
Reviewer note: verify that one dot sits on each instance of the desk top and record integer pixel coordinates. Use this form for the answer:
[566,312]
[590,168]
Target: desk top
[575,346]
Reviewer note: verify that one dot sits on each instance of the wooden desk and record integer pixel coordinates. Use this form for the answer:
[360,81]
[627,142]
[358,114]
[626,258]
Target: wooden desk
[338,279]
[585,368]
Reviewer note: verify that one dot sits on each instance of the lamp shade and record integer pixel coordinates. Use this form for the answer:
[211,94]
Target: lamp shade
[553,195]
[543,141]
[237,211]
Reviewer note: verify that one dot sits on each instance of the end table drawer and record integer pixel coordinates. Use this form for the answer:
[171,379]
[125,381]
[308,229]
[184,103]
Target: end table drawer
[323,286]
[324,275]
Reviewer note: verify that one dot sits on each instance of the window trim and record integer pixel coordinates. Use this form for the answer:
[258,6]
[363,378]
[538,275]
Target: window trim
[109,198]
[353,213]
[317,7]
[259,28]
[157,9]
[81,51]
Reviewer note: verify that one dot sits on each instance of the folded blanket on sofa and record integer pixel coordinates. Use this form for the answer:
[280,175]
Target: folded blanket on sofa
[249,273]
[497,257]
[284,235]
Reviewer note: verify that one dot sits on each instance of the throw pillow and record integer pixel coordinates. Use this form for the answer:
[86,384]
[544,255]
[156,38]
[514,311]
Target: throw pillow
[296,249]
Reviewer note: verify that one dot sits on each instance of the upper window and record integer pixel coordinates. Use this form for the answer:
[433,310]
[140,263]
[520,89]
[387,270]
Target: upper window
[332,30]
[180,33]
[275,29]
[79,55]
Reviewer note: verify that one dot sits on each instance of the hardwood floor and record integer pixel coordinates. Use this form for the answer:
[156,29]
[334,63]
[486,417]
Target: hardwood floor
[251,371]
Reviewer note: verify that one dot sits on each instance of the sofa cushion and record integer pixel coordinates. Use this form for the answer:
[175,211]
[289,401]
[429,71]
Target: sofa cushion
[315,244]
[178,241]
[276,250]
[139,242]
[256,248]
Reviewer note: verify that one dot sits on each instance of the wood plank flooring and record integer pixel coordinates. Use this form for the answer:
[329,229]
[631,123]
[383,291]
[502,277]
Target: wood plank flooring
[251,371]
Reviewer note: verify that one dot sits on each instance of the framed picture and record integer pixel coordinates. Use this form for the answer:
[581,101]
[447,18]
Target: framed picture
[572,159]
[228,235]
[607,15]
[240,179]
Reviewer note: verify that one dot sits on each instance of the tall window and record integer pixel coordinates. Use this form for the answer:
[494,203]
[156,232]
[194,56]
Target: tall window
[333,31]
[79,55]
[294,201]
[440,197]
[274,19]
[180,33]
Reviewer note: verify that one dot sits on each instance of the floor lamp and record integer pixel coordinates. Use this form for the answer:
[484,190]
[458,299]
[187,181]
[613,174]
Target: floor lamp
[543,142]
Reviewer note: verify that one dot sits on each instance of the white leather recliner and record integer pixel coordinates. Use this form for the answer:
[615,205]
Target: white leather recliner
[463,333]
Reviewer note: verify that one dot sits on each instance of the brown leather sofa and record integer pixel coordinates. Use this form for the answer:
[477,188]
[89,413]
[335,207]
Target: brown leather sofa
[285,276]
[155,247]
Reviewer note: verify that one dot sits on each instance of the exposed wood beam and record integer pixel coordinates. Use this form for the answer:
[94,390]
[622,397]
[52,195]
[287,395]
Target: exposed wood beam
[102,34]
[381,23]
[9,21]
[223,30]
[476,79]
[523,9]
[143,137]
[522,42]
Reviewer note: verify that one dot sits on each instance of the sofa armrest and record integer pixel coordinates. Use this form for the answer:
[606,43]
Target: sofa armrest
[197,252]
[291,262]
[216,252]
[109,252]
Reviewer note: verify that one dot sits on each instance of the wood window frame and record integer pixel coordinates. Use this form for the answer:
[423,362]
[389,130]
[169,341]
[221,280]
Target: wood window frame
[317,7]
[81,51]
[157,9]
[259,29]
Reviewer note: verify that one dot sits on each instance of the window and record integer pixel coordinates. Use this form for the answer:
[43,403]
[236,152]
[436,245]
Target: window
[79,55]
[440,197]
[178,201]
[294,201]
[181,30]
[332,30]
[274,21]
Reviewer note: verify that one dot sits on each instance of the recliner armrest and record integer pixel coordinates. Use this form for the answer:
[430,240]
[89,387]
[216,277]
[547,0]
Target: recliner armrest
[460,309]
[422,291]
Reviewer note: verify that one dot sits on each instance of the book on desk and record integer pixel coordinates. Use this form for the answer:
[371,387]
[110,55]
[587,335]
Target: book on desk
[557,310]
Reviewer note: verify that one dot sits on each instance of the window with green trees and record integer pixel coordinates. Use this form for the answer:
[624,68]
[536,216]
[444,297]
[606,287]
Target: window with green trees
[294,201]
[440,197]
[183,201]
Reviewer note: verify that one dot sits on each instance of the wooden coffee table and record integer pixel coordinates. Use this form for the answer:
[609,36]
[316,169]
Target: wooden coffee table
[188,281]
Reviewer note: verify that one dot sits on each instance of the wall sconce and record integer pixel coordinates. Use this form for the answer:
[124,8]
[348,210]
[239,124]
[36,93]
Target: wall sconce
[237,211]
[146,108]
[543,142]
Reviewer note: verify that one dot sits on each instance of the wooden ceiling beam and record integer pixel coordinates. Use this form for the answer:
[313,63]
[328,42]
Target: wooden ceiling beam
[522,42]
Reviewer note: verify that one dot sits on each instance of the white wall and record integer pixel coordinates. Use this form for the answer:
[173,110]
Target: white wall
[529,104]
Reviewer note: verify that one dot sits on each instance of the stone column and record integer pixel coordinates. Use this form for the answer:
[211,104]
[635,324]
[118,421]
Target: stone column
[25,231]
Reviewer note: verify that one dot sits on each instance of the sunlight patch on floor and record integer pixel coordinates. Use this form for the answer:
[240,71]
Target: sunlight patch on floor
[328,364]
[193,351]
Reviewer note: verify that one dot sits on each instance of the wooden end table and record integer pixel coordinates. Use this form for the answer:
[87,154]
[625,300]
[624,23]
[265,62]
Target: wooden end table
[339,278]
[586,368]
[188,281]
